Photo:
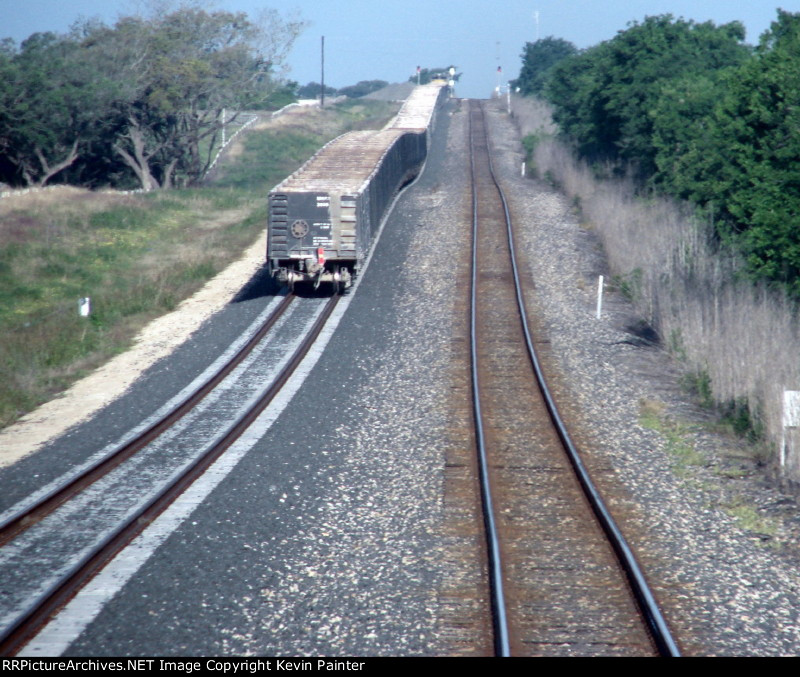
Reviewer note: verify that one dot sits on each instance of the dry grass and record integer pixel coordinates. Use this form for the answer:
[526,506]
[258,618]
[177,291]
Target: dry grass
[534,116]
[738,342]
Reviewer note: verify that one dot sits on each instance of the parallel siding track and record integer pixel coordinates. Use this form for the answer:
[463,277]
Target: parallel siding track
[30,514]
[41,608]
[563,579]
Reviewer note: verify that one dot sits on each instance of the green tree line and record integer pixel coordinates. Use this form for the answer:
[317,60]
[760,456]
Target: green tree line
[692,111]
[136,104]
[312,90]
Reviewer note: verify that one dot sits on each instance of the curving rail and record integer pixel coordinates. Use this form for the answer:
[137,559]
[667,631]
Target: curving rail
[40,609]
[497,593]
[655,621]
[28,515]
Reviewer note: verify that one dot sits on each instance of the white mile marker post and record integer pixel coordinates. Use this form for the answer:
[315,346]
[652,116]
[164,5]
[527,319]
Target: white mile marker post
[599,296]
[84,307]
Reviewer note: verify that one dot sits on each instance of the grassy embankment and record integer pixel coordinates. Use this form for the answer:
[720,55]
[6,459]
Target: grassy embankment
[135,256]
[736,342]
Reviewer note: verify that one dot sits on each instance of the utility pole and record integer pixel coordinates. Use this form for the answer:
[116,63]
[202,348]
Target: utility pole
[322,93]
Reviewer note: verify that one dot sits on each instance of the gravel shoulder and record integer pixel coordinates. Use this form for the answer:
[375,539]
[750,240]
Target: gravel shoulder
[718,541]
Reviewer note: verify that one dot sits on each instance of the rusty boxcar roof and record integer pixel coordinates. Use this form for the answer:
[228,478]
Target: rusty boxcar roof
[343,165]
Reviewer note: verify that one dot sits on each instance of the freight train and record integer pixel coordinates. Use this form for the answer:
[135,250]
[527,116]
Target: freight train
[324,217]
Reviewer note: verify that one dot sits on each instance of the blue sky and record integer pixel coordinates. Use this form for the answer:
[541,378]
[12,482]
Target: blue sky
[388,39]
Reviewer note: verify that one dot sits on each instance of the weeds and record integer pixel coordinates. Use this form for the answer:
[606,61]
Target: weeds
[698,384]
[681,449]
[630,284]
[676,346]
[651,413]
[748,518]
[529,144]
[676,435]
[743,421]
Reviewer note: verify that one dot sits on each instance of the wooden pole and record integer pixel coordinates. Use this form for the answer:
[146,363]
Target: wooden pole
[322,94]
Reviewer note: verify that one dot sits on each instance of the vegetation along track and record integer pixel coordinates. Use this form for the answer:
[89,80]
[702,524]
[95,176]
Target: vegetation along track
[562,578]
[42,584]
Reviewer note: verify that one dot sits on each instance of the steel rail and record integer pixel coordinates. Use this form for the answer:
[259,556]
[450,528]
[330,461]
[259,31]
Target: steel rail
[46,605]
[502,645]
[657,624]
[26,517]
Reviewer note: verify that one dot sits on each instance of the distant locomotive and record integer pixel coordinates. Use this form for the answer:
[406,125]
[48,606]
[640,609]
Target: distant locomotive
[323,218]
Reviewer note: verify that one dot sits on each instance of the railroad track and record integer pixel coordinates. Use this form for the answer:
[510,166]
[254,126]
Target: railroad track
[84,523]
[562,578]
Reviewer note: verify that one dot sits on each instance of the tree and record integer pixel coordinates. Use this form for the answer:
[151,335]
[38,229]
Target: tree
[606,96]
[706,119]
[11,106]
[575,89]
[53,102]
[284,94]
[312,90]
[143,98]
[746,164]
[362,88]
[538,59]
[683,134]
[180,71]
